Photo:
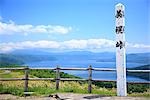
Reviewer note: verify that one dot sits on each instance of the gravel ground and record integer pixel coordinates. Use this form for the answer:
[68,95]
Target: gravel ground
[69,96]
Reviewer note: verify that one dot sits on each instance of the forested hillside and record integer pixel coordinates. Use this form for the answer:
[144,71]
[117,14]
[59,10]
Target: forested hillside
[143,75]
[14,59]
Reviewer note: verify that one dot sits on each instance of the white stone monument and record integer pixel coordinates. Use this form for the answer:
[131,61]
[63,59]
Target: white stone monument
[120,50]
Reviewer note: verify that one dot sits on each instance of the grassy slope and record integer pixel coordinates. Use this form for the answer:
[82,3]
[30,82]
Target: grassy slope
[46,87]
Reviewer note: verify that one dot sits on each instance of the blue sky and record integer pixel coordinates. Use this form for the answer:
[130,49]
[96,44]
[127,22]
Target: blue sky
[72,24]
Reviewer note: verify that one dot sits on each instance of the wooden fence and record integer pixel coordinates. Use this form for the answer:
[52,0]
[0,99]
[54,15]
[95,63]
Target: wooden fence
[58,78]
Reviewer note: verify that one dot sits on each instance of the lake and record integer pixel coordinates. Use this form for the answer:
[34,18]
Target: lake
[69,62]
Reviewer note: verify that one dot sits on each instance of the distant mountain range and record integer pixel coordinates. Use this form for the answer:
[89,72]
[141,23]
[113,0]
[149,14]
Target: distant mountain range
[32,55]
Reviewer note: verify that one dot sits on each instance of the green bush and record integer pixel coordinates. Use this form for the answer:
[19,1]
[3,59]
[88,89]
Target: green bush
[137,88]
[105,84]
[131,88]
[49,74]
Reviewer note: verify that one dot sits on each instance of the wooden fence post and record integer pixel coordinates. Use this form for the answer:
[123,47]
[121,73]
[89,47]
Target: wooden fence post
[57,77]
[26,80]
[90,79]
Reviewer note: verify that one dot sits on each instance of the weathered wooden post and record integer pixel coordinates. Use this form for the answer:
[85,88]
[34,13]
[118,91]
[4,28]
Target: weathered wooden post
[120,50]
[90,79]
[26,80]
[57,77]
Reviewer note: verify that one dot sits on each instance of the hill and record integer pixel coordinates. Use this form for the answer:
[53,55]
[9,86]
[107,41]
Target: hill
[20,59]
[143,75]
[7,59]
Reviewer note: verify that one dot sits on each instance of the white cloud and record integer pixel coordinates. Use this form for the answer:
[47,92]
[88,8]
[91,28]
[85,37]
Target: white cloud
[89,44]
[96,45]
[74,44]
[12,28]
[8,47]
[138,46]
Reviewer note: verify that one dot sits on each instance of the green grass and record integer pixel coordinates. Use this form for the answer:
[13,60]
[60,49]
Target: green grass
[11,75]
[145,94]
[48,87]
[11,90]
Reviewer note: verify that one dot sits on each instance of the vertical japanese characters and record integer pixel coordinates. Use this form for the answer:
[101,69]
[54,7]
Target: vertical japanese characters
[120,25]
[120,50]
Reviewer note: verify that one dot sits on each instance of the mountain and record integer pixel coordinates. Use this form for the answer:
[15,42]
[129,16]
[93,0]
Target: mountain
[22,57]
[30,52]
[139,58]
[135,58]
[34,55]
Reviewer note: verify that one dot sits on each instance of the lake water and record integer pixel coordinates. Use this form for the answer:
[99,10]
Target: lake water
[84,63]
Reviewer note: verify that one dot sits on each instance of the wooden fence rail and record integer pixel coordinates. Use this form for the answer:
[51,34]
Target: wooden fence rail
[58,78]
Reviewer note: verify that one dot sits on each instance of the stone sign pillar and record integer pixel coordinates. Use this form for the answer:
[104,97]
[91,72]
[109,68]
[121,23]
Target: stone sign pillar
[120,50]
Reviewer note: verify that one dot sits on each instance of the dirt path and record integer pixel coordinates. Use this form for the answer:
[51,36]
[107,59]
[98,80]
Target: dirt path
[70,96]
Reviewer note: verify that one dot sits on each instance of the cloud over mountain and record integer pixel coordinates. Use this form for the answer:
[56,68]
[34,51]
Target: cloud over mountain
[88,45]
